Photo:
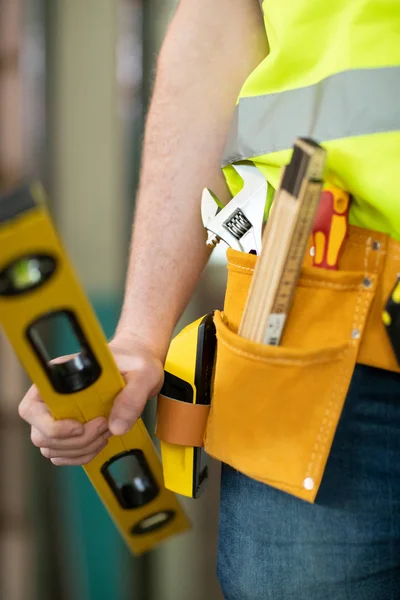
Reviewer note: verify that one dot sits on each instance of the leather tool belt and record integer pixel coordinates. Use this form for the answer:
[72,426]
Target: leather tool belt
[275,410]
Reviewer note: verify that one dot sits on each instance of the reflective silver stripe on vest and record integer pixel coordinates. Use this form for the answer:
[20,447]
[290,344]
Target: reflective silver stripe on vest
[351,103]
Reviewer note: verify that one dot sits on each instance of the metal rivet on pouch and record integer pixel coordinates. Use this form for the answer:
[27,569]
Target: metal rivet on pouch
[376,245]
[308,483]
[312,251]
[355,334]
[367,282]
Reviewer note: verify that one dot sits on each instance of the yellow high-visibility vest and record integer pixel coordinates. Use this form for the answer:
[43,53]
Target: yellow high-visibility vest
[332,74]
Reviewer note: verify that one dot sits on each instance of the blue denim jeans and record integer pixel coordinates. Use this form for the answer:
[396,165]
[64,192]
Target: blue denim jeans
[346,546]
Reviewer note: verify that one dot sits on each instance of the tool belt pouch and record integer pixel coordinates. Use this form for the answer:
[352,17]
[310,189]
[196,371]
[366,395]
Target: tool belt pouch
[275,410]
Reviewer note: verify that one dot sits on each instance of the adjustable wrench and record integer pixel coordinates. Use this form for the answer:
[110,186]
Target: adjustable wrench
[239,223]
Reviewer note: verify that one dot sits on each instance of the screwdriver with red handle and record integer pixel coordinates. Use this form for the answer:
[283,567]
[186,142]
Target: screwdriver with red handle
[330,227]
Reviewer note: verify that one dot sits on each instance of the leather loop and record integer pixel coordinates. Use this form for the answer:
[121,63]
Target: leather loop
[181,423]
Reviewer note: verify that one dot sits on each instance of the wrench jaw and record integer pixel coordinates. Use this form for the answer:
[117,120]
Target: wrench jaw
[252,198]
[252,177]
[210,206]
[212,240]
[239,223]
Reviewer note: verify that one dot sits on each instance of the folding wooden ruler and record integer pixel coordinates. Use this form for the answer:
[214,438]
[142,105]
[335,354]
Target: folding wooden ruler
[38,286]
[283,245]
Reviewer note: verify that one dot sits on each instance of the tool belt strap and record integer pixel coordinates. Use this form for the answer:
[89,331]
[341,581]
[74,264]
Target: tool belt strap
[181,423]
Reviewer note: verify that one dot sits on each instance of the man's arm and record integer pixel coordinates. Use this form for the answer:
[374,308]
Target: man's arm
[209,50]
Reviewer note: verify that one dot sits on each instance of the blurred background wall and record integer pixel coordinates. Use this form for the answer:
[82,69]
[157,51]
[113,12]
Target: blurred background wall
[75,81]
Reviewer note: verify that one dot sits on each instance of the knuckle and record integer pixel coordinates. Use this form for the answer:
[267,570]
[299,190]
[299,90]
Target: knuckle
[100,427]
[52,430]
[84,448]
[27,403]
[101,446]
[37,438]
[90,438]
[55,429]
[92,444]
[92,448]
[22,410]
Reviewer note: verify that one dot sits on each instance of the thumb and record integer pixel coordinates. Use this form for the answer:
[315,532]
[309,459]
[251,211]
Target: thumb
[129,404]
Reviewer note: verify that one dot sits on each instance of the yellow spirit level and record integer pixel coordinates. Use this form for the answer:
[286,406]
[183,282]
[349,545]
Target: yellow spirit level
[188,383]
[38,286]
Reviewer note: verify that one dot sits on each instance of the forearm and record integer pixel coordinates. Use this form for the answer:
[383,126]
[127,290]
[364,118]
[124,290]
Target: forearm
[198,79]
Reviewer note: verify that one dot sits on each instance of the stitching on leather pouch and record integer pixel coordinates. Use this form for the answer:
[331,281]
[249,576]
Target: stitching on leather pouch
[320,440]
[379,254]
[321,284]
[326,425]
[359,319]
[377,261]
[366,256]
[330,284]
[368,292]
[231,264]
[359,242]
[356,312]
[322,436]
[355,243]
[283,361]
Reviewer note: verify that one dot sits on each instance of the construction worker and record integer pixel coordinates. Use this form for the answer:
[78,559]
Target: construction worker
[329,71]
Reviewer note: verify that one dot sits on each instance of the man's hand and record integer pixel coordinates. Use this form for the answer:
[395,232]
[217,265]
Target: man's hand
[68,442]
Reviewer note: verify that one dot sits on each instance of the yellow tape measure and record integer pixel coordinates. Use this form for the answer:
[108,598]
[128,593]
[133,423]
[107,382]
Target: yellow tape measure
[188,378]
[37,286]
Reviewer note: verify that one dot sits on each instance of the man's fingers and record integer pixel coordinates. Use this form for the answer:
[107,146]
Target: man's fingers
[73,462]
[93,448]
[92,431]
[129,404]
[34,411]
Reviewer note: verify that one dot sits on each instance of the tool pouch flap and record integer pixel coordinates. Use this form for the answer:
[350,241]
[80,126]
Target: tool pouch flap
[275,410]
[181,423]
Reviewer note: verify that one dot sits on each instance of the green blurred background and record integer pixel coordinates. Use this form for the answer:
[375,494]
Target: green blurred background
[75,81]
